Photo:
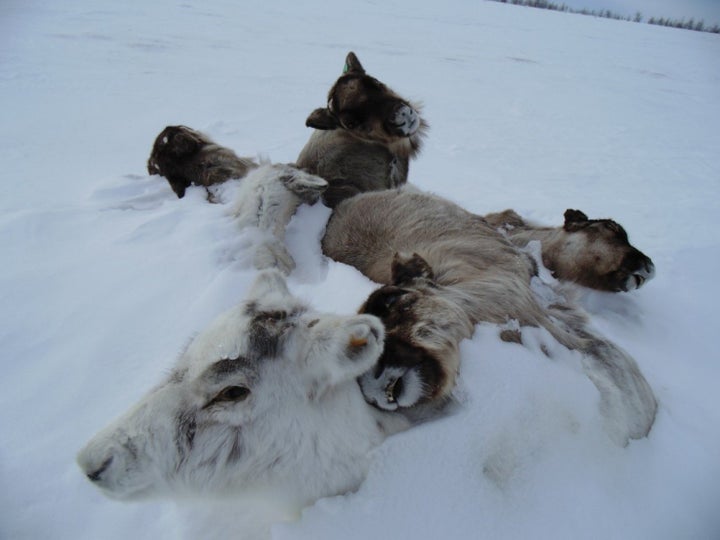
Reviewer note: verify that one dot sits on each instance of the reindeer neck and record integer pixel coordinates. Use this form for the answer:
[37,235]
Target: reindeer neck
[407,148]
[547,236]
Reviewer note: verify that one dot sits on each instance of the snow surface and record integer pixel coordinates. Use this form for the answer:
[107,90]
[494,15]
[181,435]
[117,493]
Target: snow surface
[107,275]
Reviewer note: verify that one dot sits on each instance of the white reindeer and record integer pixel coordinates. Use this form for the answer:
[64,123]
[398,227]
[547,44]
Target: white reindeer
[264,401]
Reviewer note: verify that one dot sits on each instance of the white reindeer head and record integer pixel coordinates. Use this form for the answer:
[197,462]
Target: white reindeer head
[265,399]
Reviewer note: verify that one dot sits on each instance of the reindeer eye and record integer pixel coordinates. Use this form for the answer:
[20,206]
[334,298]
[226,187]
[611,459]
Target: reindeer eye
[274,316]
[233,393]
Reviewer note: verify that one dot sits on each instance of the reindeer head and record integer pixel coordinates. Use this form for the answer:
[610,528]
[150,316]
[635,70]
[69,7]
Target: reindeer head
[177,141]
[597,253]
[367,109]
[186,157]
[257,402]
[424,324]
[174,146]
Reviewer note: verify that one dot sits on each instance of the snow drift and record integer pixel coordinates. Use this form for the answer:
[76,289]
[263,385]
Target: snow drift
[106,274]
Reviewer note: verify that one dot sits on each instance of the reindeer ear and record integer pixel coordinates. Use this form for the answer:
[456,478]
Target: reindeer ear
[406,269]
[352,64]
[574,216]
[321,119]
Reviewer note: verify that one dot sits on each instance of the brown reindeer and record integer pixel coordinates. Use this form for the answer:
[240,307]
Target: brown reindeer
[363,141]
[595,253]
[446,270]
[364,138]
[187,157]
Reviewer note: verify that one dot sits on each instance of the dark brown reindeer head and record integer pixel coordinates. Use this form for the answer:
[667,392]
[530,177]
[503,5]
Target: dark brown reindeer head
[187,157]
[367,109]
[424,325]
[597,253]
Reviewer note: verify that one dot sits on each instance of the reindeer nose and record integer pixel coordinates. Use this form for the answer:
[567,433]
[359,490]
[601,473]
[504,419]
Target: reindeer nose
[95,474]
[650,269]
[405,120]
[642,277]
[642,271]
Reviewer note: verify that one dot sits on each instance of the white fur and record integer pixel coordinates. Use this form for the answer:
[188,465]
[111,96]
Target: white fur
[407,120]
[267,199]
[303,432]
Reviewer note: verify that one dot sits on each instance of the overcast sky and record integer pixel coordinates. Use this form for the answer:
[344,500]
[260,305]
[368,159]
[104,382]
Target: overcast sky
[707,10]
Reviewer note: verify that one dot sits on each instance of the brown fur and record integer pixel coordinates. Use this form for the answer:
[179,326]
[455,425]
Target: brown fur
[595,253]
[364,138]
[187,157]
[456,271]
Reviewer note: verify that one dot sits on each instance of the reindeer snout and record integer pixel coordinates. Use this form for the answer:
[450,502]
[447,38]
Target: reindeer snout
[405,120]
[95,474]
[96,464]
[110,466]
[645,273]
[642,270]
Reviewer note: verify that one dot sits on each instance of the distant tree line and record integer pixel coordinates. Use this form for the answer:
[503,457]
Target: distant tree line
[698,26]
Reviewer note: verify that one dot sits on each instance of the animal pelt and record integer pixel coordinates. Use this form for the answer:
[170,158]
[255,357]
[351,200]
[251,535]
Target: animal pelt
[446,270]
[266,201]
[188,157]
[364,138]
[595,253]
[264,401]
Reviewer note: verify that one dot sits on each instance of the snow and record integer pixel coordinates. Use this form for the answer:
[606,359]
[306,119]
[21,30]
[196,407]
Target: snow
[107,275]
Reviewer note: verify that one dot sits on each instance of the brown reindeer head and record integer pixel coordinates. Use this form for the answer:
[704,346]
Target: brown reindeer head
[597,253]
[423,327]
[367,109]
[187,157]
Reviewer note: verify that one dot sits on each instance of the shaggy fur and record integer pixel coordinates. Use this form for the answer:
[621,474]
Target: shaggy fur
[364,137]
[595,253]
[454,271]
[187,157]
[266,200]
[263,401]
[363,141]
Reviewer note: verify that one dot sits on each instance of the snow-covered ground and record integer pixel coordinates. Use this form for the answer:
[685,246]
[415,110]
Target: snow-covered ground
[106,275]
